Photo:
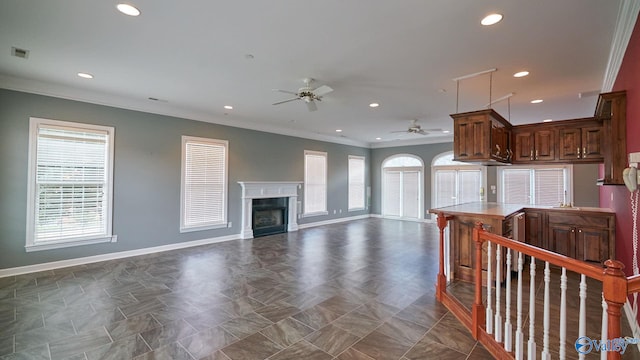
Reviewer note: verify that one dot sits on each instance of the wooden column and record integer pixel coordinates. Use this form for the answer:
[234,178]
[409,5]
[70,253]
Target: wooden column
[441,281]
[614,290]
[478,311]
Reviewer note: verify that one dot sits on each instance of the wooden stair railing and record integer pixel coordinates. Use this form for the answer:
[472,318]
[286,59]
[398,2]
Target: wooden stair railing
[509,345]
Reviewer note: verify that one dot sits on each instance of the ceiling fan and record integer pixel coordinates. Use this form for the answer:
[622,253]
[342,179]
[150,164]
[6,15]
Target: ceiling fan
[307,94]
[415,128]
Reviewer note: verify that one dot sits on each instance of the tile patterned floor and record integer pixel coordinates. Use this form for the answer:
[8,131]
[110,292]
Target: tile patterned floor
[355,291]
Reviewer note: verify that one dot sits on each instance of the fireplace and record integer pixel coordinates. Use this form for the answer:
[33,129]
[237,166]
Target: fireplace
[282,213]
[269,216]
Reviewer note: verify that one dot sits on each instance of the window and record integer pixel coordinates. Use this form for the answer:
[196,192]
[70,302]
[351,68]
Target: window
[70,184]
[203,202]
[356,183]
[456,182]
[315,183]
[539,185]
[402,179]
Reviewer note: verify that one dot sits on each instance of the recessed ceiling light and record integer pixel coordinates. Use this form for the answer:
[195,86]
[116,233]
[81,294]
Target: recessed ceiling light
[521,74]
[85,75]
[374,105]
[547,120]
[128,9]
[536,101]
[446,131]
[491,19]
[378,138]
[228,107]
[338,130]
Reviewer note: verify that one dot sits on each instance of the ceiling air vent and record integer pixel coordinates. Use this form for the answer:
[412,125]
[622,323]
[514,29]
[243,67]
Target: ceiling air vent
[21,53]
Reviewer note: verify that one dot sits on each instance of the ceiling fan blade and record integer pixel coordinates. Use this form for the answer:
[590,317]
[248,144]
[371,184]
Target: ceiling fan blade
[285,101]
[421,132]
[312,106]
[322,90]
[286,91]
[401,131]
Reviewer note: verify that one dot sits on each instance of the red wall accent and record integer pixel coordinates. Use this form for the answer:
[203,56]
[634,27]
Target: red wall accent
[628,79]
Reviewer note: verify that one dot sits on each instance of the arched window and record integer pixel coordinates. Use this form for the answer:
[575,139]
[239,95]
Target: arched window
[402,187]
[456,182]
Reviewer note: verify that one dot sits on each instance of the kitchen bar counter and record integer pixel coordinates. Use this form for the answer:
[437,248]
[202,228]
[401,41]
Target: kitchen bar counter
[583,233]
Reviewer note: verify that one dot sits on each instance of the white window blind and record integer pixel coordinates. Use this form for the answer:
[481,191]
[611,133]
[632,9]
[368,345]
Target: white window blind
[445,188]
[204,183]
[411,194]
[315,182]
[392,193]
[70,182]
[542,185]
[356,183]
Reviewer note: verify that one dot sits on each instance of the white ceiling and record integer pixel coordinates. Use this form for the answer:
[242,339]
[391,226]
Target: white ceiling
[402,54]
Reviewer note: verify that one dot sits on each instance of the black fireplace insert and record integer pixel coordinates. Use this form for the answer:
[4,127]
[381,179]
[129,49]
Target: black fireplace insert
[269,216]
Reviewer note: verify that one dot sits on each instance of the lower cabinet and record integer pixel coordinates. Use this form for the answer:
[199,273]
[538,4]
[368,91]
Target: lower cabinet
[582,235]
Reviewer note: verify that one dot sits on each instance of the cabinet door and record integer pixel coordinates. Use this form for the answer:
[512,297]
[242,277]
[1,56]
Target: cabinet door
[562,239]
[592,244]
[592,142]
[471,138]
[545,145]
[534,228]
[570,141]
[523,146]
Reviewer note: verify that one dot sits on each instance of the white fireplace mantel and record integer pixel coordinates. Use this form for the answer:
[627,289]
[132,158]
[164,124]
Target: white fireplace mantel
[268,189]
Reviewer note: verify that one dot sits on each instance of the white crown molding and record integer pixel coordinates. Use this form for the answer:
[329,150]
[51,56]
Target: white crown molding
[159,108]
[627,16]
[420,141]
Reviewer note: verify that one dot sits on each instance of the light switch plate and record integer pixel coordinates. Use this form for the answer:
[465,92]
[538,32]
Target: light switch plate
[634,158]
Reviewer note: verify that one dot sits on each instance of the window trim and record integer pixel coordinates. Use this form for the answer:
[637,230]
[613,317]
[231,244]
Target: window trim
[364,182]
[568,179]
[326,184]
[32,157]
[214,225]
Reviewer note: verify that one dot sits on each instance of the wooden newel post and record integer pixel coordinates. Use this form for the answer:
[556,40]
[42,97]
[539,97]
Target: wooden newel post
[477,310]
[614,290]
[441,281]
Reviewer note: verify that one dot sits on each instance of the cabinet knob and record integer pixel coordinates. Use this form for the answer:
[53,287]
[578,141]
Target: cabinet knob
[580,230]
[536,154]
[578,151]
[584,151]
[573,230]
[531,156]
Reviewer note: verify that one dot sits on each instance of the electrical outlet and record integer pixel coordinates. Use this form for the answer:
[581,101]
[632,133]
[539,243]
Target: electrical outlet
[229,224]
[334,212]
[340,211]
[634,158]
[114,238]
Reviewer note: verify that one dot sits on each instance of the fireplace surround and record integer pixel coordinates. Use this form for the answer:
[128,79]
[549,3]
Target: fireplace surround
[264,190]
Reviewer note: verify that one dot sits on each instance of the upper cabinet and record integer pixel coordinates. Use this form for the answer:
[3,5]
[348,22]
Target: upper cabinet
[581,143]
[612,110]
[486,137]
[534,144]
[481,136]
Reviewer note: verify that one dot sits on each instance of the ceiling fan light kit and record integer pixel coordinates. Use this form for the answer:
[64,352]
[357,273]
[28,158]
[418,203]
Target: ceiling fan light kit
[307,94]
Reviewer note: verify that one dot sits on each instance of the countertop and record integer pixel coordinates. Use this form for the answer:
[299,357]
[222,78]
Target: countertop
[501,211]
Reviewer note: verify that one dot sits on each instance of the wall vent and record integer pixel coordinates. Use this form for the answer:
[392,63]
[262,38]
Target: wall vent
[21,53]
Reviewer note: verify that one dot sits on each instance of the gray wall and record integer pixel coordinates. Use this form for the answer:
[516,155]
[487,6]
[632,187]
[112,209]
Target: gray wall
[147,173]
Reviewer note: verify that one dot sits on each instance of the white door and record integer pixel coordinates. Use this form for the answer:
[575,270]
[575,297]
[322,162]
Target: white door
[401,197]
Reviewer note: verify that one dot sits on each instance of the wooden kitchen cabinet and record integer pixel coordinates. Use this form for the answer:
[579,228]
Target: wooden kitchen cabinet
[581,235]
[534,228]
[612,110]
[533,144]
[581,143]
[481,136]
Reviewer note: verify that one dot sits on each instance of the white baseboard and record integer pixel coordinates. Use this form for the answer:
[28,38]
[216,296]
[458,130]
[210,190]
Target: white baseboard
[427,220]
[111,256]
[332,221]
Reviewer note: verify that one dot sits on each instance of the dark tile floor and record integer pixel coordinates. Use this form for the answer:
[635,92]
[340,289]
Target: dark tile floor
[359,290]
